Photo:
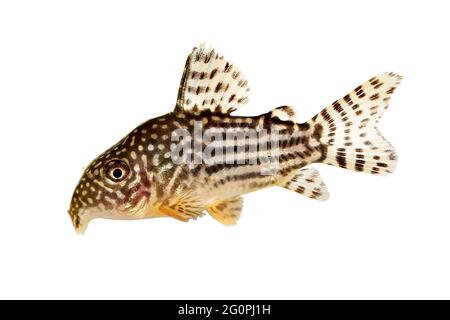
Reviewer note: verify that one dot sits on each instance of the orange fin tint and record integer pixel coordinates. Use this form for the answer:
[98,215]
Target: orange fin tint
[227,212]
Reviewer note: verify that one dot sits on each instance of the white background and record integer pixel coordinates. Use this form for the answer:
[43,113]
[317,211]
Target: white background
[76,76]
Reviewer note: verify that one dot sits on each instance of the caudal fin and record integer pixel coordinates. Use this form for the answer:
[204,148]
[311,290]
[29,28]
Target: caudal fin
[347,129]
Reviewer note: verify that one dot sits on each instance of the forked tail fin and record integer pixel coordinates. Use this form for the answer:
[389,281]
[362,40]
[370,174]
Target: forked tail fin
[347,129]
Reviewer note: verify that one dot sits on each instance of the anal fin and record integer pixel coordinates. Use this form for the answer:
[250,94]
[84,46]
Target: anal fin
[227,212]
[308,182]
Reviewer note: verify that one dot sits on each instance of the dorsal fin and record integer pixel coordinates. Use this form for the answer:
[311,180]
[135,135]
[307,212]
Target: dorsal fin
[211,83]
[284,113]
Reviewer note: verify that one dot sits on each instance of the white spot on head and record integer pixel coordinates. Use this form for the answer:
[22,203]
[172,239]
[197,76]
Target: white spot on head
[140,148]
[150,147]
[161,146]
[165,137]
[164,126]
[169,165]
[133,155]
[154,136]
[155,160]
[154,126]
[167,155]
[133,139]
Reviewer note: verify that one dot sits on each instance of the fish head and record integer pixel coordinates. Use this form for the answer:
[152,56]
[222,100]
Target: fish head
[116,185]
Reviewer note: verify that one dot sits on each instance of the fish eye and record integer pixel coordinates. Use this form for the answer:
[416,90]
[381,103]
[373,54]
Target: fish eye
[117,170]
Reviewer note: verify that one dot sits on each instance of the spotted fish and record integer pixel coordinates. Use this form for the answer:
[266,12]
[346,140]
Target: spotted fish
[200,158]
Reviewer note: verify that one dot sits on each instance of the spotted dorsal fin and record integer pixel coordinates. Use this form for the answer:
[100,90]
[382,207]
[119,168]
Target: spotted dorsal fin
[210,83]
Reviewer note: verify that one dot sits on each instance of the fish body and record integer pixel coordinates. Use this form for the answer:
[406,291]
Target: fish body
[200,158]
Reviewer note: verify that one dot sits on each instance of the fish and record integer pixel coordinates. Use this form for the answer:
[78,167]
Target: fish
[199,158]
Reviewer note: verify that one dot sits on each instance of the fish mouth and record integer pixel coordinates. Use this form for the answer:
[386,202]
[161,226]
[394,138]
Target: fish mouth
[80,220]
[81,229]
[82,225]
[82,216]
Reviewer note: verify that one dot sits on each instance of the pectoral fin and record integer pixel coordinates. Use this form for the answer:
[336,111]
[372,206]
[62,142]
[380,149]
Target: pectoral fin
[227,212]
[171,212]
[308,182]
[183,207]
